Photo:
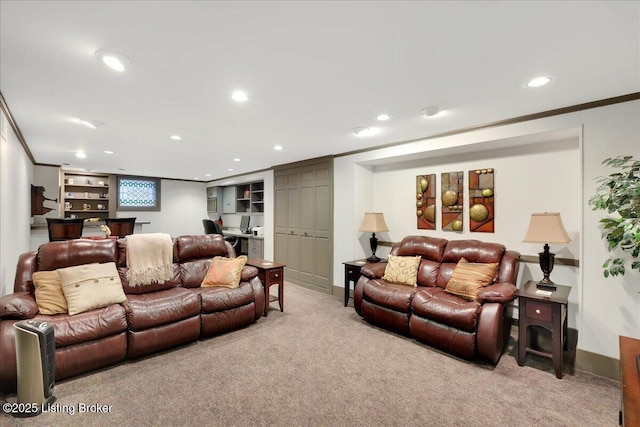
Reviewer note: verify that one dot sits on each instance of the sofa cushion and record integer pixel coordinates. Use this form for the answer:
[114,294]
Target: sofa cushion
[439,306]
[88,326]
[48,292]
[201,246]
[222,298]
[152,309]
[91,286]
[225,271]
[402,269]
[389,295]
[468,279]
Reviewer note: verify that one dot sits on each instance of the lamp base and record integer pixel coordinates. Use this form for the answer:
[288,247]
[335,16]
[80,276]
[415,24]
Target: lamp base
[546,284]
[373,258]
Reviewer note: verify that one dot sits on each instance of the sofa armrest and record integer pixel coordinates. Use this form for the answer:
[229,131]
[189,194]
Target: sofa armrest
[498,292]
[248,273]
[373,271]
[19,305]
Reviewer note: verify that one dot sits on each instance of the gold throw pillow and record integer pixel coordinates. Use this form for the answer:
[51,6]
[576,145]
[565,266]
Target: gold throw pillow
[468,278]
[225,272]
[48,290]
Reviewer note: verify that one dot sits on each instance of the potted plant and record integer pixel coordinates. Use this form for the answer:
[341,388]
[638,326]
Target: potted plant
[619,193]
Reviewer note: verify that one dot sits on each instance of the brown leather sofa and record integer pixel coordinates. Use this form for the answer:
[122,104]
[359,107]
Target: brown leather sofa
[469,329]
[154,317]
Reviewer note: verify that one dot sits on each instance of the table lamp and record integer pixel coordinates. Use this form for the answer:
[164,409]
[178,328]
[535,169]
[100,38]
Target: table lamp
[546,228]
[374,222]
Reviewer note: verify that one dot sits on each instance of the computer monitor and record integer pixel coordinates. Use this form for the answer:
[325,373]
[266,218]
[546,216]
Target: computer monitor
[244,224]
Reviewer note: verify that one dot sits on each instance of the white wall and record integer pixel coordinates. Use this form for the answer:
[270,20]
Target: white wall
[183,205]
[542,165]
[16,171]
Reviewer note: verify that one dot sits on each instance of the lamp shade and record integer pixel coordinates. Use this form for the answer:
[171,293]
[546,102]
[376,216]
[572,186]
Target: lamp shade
[546,227]
[373,221]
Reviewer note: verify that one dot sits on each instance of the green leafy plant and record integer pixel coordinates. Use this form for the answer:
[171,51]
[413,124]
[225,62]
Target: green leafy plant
[619,193]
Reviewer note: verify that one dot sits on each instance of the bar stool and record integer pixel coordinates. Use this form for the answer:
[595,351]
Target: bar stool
[64,228]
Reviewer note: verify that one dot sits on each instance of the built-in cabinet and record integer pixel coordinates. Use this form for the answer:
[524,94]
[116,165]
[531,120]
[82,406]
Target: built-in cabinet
[250,197]
[303,222]
[87,195]
[241,198]
[229,200]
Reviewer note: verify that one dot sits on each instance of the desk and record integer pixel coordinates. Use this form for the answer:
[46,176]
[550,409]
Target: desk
[270,273]
[549,312]
[250,245]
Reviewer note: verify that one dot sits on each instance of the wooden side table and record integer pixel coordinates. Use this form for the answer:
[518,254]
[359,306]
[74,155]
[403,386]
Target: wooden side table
[352,274]
[546,311]
[270,273]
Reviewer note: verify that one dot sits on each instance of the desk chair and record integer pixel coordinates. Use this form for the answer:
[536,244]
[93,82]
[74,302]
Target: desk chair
[120,227]
[212,227]
[64,228]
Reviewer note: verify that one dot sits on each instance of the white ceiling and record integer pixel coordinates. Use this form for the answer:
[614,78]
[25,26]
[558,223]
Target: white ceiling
[313,71]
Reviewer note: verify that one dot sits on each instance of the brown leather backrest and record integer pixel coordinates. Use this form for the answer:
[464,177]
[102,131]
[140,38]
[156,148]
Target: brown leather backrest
[473,251]
[195,254]
[431,249]
[54,255]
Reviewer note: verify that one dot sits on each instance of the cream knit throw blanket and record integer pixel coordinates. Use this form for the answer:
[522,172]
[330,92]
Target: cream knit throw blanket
[149,258]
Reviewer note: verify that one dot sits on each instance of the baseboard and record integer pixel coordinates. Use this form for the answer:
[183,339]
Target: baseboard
[598,364]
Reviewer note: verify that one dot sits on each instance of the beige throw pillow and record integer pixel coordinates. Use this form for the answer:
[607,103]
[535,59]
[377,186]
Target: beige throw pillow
[402,269]
[468,279]
[225,272]
[90,286]
[48,290]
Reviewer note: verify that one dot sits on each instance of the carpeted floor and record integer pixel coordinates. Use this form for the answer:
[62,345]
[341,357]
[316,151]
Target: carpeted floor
[319,364]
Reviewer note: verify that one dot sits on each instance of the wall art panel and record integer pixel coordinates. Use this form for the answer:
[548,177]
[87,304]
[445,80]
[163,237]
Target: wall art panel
[481,199]
[426,201]
[452,194]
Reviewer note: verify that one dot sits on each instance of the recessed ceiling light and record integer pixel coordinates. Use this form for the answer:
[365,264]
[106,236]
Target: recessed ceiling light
[277,147]
[92,124]
[207,174]
[539,81]
[236,159]
[115,60]
[121,169]
[431,111]
[176,137]
[81,155]
[383,117]
[361,131]
[230,169]
[108,152]
[239,96]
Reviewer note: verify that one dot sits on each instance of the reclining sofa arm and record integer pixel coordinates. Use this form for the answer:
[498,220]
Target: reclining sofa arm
[19,305]
[498,292]
[373,271]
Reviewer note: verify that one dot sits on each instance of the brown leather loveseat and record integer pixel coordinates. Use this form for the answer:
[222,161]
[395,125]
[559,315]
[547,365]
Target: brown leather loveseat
[468,328]
[153,318]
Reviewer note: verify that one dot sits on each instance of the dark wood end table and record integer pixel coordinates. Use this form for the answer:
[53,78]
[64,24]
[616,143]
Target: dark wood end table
[270,273]
[352,274]
[546,311]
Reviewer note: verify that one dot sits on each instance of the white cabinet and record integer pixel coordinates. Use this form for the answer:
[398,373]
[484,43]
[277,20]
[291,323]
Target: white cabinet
[255,248]
[213,199]
[229,200]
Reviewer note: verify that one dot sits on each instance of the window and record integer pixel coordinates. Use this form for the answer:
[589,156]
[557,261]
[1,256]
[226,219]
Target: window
[138,193]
